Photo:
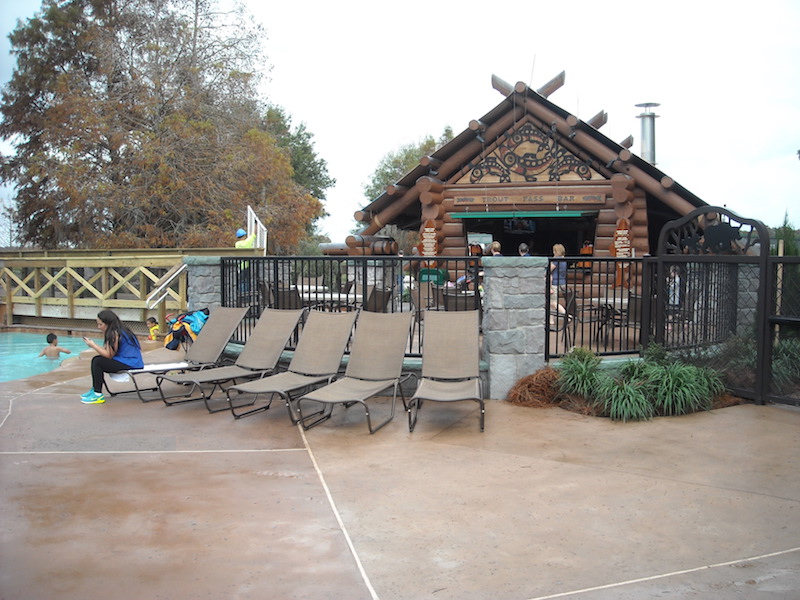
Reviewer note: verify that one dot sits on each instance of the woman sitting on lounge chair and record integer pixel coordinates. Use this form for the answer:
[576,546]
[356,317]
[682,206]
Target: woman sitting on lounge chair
[120,351]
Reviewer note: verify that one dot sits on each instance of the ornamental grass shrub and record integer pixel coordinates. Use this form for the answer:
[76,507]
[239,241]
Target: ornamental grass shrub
[786,365]
[639,390]
[578,373]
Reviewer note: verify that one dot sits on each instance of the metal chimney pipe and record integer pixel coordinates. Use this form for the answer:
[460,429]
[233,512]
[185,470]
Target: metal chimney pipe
[648,131]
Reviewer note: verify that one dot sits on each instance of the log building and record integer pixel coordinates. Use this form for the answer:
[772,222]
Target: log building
[530,172]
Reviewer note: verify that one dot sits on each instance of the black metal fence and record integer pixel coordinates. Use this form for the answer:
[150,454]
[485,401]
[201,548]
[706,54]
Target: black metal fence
[710,310]
[719,300]
[598,307]
[333,283]
[783,344]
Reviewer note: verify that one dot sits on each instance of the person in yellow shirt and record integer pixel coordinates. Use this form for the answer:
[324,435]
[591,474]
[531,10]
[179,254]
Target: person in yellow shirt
[152,327]
[244,241]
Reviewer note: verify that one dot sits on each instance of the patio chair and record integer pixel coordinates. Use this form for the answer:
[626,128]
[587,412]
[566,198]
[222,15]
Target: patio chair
[204,352]
[450,362]
[418,305]
[258,358]
[436,296]
[565,322]
[378,299]
[265,295]
[457,300]
[288,298]
[316,360]
[628,320]
[375,365]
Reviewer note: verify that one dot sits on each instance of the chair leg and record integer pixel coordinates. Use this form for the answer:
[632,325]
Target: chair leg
[413,408]
[323,414]
[239,415]
[391,414]
[415,403]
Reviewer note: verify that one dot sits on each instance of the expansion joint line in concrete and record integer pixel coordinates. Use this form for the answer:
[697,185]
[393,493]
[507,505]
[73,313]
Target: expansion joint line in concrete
[664,575]
[337,515]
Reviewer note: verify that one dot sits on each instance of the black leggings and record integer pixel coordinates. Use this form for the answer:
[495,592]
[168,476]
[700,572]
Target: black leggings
[101,365]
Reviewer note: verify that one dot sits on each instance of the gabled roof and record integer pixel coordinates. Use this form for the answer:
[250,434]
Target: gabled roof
[399,205]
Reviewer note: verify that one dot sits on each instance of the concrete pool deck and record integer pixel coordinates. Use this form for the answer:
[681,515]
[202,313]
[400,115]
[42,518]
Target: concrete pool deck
[134,500]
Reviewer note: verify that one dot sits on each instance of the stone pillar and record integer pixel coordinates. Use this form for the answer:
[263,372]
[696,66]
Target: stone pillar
[204,281]
[513,319]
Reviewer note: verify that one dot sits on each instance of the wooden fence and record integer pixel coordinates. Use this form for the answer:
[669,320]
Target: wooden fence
[76,286]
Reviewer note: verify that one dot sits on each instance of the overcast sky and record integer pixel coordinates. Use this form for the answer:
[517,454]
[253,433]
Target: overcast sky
[367,77]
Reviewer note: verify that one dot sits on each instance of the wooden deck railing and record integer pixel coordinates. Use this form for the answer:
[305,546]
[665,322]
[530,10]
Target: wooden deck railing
[77,286]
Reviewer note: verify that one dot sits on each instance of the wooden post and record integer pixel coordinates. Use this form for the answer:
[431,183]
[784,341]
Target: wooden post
[9,300]
[37,286]
[70,294]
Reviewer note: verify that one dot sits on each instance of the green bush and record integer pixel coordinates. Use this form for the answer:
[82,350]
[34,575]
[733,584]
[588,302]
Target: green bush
[578,373]
[786,365]
[655,353]
[682,389]
[641,389]
[623,400]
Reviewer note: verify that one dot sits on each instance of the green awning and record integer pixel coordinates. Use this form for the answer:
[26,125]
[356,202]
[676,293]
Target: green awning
[527,214]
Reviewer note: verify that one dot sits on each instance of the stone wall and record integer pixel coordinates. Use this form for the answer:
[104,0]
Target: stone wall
[513,319]
[205,281]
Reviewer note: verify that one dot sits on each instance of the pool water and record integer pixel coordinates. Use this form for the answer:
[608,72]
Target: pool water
[19,354]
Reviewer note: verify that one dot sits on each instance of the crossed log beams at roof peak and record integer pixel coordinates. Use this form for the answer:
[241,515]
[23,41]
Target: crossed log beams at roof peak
[546,90]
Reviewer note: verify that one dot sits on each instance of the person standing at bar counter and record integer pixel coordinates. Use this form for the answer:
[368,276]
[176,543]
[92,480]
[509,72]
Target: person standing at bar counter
[558,280]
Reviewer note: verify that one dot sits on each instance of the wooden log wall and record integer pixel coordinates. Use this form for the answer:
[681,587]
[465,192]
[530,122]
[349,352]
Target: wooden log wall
[368,245]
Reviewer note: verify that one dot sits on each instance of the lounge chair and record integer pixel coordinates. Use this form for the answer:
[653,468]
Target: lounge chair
[450,361]
[375,365]
[258,358]
[205,352]
[316,360]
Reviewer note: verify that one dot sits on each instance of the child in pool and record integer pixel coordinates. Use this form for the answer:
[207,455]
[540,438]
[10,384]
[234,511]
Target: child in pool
[53,350]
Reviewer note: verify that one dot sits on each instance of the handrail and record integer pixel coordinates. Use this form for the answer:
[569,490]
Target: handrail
[167,280]
[254,225]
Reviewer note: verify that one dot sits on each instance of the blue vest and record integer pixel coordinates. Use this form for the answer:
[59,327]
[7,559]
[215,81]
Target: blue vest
[128,351]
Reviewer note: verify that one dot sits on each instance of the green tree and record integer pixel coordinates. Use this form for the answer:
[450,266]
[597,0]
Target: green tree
[394,165]
[787,233]
[391,169]
[137,123]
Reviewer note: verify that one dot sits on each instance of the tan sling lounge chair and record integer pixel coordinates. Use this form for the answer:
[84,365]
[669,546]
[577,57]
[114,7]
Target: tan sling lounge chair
[316,360]
[450,361]
[258,358]
[375,365]
[204,352]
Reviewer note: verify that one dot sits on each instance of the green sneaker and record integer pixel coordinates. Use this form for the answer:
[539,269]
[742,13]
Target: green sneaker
[94,398]
[87,394]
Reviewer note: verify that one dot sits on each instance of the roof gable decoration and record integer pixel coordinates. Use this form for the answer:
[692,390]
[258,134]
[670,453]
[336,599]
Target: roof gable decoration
[528,155]
[525,153]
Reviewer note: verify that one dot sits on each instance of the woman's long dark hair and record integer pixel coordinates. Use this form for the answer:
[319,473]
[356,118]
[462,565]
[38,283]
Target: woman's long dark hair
[115,329]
